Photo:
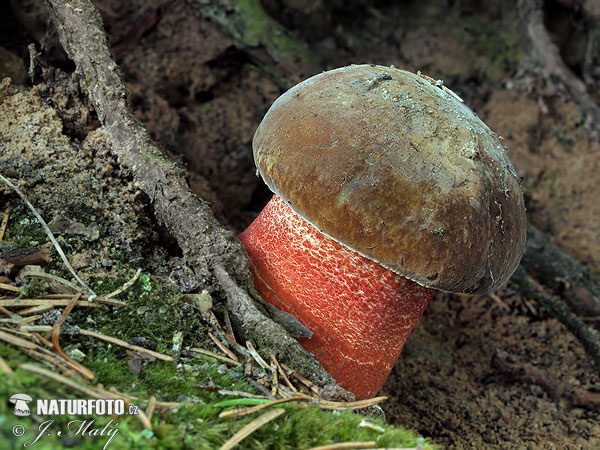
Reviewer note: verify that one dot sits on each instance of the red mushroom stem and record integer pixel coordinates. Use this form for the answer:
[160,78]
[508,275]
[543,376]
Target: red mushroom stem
[360,313]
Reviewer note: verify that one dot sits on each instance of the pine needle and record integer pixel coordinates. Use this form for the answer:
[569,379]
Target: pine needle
[247,430]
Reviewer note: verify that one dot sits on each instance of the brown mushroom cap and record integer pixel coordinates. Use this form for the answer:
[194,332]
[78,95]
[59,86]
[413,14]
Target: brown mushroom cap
[398,170]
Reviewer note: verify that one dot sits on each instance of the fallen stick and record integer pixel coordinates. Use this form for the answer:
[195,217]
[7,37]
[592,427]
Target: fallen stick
[527,374]
[214,253]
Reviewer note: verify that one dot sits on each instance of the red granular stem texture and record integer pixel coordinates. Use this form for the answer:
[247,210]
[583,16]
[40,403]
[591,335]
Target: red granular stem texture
[360,313]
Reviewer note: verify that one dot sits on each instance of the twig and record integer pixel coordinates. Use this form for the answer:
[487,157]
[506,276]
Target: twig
[528,374]
[80,368]
[121,343]
[552,62]
[151,406]
[12,260]
[49,233]
[283,374]
[38,302]
[247,430]
[302,380]
[215,356]
[222,347]
[4,224]
[214,252]
[125,286]
[560,311]
[240,412]
[565,276]
[36,309]
[10,287]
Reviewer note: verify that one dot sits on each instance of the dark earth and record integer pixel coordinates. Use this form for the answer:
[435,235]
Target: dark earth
[201,92]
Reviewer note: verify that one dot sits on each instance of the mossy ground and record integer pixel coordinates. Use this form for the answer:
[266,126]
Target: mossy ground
[156,312]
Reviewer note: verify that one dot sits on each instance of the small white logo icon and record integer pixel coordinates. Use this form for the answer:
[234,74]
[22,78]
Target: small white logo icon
[21,407]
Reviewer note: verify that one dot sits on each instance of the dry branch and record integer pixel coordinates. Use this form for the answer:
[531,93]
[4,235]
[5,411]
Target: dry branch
[546,51]
[558,309]
[208,247]
[566,277]
[528,374]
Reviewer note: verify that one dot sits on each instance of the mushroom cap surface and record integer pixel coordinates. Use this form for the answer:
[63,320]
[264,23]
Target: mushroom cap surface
[400,171]
[17,397]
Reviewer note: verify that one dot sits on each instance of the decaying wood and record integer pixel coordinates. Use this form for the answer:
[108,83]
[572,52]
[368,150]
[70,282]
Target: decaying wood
[13,260]
[209,248]
[283,57]
[565,277]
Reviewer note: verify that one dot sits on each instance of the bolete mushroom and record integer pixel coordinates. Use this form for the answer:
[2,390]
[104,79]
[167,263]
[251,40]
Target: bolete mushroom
[386,187]
[21,407]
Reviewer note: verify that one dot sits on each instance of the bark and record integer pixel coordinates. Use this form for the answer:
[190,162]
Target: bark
[564,276]
[284,58]
[559,309]
[550,60]
[208,247]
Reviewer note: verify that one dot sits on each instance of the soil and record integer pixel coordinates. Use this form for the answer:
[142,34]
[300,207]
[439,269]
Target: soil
[199,94]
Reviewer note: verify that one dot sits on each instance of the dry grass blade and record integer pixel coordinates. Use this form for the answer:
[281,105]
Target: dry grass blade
[261,362]
[347,446]
[239,412]
[4,222]
[10,287]
[283,374]
[126,345]
[50,277]
[80,368]
[224,349]
[17,341]
[90,392]
[151,406]
[125,286]
[36,309]
[302,380]
[4,367]
[247,430]
[11,302]
[327,404]
[49,233]
[215,356]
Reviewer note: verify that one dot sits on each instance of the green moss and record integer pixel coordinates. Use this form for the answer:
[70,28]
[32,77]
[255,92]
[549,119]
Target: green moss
[193,425]
[250,24]
[156,312]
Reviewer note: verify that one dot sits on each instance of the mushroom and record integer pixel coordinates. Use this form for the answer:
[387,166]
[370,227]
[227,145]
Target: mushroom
[387,187]
[21,407]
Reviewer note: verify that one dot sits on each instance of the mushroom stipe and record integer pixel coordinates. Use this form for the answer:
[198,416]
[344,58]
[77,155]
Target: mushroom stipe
[360,313]
[384,191]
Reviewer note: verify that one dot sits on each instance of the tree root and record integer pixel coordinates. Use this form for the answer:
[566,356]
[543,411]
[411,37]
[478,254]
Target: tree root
[213,252]
[527,374]
[531,12]
[558,309]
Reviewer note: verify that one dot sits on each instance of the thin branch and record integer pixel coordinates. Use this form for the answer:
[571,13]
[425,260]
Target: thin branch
[558,309]
[214,253]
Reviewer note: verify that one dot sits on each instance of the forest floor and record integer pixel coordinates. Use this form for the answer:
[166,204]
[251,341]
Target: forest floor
[202,96]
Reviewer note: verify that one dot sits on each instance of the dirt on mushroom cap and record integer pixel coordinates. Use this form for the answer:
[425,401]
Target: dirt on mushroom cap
[399,170]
